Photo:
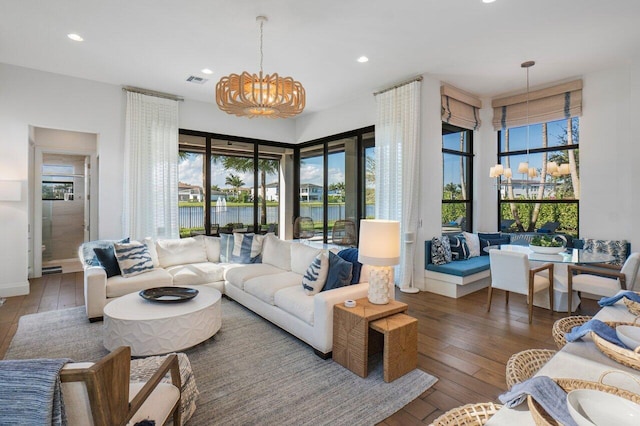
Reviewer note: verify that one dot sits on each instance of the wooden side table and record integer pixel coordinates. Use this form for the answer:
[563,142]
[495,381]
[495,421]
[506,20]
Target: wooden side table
[400,353]
[351,332]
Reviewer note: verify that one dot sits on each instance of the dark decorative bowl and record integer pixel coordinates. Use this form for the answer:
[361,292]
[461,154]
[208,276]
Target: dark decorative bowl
[169,294]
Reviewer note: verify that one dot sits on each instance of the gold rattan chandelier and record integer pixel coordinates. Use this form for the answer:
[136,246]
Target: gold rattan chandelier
[252,95]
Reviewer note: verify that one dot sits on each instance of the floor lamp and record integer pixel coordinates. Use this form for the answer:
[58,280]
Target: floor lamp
[408,240]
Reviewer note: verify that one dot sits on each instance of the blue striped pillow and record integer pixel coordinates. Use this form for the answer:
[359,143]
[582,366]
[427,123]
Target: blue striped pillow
[314,278]
[133,258]
[247,248]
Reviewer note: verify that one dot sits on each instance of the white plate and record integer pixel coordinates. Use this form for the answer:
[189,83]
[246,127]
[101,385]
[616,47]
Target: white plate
[629,334]
[546,250]
[591,407]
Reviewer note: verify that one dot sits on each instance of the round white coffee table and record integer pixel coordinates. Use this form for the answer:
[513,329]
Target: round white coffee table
[153,328]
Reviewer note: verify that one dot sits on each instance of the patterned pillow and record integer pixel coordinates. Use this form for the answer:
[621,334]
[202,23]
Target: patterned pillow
[339,274]
[89,256]
[440,250]
[459,247]
[226,247]
[492,242]
[618,249]
[314,278]
[133,258]
[473,242]
[247,248]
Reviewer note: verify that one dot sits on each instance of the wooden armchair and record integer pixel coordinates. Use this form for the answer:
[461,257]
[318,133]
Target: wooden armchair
[101,394]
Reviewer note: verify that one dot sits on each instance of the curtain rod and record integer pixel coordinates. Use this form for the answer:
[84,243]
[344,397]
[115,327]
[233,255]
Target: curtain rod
[152,93]
[419,78]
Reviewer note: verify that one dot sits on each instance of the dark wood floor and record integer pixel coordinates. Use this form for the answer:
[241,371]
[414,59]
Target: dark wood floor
[461,344]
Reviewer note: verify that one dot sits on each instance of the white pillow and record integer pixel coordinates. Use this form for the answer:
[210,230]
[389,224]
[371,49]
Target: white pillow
[181,252]
[276,252]
[473,242]
[151,246]
[316,274]
[301,257]
[212,247]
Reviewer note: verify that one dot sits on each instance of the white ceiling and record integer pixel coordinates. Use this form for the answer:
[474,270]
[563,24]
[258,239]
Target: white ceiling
[157,44]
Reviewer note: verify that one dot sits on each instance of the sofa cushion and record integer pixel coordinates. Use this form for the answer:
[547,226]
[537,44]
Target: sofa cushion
[440,250]
[276,252]
[293,300]
[107,259]
[339,274]
[237,275]
[351,255]
[119,286]
[473,242]
[212,247]
[617,249]
[265,287]
[151,246]
[459,248]
[484,243]
[462,268]
[316,274]
[180,252]
[302,256]
[196,273]
[133,258]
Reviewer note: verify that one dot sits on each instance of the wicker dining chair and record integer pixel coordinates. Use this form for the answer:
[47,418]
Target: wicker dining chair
[565,325]
[523,365]
[468,415]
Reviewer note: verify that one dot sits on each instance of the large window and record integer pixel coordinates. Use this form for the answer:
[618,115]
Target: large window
[551,191]
[457,162]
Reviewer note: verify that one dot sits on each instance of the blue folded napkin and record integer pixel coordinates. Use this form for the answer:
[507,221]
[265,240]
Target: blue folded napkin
[608,301]
[546,392]
[601,329]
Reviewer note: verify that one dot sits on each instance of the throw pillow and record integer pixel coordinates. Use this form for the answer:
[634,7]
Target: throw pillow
[339,274]
[616,248]
[151,246]
[459,248]
[492,235]
[492,242]
[473,242]
[440,250]
[107,259]
[316,275]
[351,255]
[89,256]
[276,252]
[226,247]
[133,258]
[246,248]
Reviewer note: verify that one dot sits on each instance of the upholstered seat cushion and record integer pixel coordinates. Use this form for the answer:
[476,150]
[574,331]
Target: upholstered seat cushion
[237,275]
[196,273]
[595,284]
[265,287]
[293,300]
[119,286]
[462,268]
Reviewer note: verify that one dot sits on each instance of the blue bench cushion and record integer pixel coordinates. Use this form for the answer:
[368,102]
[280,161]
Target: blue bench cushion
[462,268]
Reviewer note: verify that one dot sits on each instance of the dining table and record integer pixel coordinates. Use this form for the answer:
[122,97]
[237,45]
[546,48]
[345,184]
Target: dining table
[568,256]
[580,360]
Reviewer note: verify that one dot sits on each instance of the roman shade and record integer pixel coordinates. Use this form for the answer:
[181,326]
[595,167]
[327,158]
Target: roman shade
[553,103]
[460,108]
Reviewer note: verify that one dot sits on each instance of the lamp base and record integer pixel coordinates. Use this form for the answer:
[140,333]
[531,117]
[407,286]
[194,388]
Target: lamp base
[379,279]
[412,290]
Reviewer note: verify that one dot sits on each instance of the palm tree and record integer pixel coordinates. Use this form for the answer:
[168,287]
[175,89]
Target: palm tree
[235,182]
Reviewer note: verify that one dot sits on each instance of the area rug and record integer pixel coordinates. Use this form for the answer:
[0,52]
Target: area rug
[250,372]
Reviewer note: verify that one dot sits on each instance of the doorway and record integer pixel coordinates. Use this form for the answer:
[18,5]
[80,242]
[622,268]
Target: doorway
[63,194]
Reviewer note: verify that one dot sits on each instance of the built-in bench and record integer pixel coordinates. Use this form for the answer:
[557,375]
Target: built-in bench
[458,278]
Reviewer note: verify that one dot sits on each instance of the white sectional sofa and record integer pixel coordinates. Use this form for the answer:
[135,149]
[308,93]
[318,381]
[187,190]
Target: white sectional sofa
[272,289]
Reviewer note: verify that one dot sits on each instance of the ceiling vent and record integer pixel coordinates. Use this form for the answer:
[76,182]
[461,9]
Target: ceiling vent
[197,80]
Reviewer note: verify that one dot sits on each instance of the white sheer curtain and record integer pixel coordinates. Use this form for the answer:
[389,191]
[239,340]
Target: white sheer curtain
[151,167]
[397,174]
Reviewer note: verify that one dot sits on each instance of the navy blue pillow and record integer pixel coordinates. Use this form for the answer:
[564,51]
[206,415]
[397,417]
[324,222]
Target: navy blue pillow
[351,255]
[492,242]
[459,247]
[492,235]
[107,259]
[339,272]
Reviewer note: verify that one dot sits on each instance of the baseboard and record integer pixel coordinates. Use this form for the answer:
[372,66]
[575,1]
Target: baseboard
[14,289]
[454,290]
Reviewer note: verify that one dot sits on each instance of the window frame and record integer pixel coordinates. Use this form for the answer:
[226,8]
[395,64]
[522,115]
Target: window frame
[469,155]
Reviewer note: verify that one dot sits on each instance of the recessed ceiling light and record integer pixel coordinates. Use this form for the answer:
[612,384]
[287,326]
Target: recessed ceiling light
[363,59]
[206,71]
[75,37]
[488,1]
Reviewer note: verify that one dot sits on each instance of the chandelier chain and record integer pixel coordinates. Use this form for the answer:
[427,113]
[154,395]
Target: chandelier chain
[261,52]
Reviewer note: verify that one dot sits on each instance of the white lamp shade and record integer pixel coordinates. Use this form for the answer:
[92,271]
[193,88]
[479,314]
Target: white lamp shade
[523,167]
[564,169]
[10,190]
[379,243]
[498,169]
[552,167]
[507,172]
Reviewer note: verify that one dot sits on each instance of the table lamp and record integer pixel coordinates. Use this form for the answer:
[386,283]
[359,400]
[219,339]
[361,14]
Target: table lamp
[379,247]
